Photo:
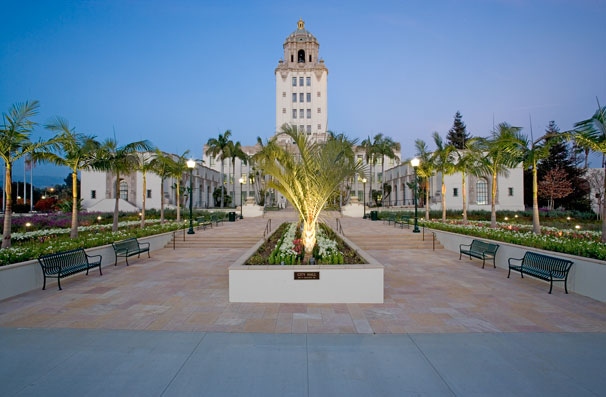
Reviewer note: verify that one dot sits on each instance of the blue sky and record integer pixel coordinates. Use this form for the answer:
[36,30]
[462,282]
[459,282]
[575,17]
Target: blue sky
[179,72]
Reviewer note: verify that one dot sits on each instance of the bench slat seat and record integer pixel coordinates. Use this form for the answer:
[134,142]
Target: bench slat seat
[403,220]
[67,263]
[129,247]
[481,250]
[544,267]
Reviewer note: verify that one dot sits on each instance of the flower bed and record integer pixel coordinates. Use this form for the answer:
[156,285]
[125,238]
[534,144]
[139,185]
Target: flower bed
[574,242]
[36,234]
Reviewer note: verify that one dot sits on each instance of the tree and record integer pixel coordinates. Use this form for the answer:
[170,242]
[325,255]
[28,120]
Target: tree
[370,155]
[443,160]
[219,147]
[119,160]
[555,185]
[467,163]
[386,148]
[144,165]
[499,156]
[236,152]
[78,152]
[162,165]
[457,135]
[307,179]
[15,143]
[596,182]
[425,170]
[179,167]
[592,132]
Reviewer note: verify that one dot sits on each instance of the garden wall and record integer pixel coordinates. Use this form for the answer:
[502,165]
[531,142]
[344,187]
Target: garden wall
[22,277]
[587,276]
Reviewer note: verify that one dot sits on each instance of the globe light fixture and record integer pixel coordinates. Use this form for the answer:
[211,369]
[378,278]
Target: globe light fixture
[415,163]
[364,190]
[506,218]
[191,164]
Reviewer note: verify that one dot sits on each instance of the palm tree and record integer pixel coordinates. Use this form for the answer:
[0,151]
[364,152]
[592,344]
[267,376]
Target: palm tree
[219,147]
[348,145]
[162,165]
[78,152]
[467,163]
[425,169]
[308,178]
[443,160]
[120,160]
[386,148]
[499,155]
[370,155]
[236,152]
[592,133]
[144,165]
[179,167]
[15,143]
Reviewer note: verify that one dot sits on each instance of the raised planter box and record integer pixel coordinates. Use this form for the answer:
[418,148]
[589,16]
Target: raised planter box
[306,284]
[22,277]
[587,276]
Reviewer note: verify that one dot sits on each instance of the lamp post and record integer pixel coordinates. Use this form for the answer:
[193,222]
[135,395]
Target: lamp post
[191,164]
[415,163]
[241,201]
[364,190]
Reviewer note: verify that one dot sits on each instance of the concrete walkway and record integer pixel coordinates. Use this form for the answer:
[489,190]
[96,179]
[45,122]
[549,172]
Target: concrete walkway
[71,362]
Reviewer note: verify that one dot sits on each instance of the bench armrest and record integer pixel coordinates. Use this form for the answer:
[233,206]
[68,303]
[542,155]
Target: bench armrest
[146,243]
[93,256]
[464,245]
[515,259]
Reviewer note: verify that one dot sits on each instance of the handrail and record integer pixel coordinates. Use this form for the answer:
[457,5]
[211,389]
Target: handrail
[339,226]
[267,228]
[175,236]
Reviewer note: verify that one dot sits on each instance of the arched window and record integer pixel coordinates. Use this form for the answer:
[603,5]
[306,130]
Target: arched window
[301,56]
[123,190]
[482,192]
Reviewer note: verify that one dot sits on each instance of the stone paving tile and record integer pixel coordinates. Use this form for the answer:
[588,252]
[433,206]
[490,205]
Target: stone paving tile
[187,290]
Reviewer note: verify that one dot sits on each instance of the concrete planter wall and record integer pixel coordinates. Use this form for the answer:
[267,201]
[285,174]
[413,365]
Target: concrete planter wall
[22,277]
[336,283]
[587,276]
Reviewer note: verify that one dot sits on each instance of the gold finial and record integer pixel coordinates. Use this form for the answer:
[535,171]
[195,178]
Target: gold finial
[300,24]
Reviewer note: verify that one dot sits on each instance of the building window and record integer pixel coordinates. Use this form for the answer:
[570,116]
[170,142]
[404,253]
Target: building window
[308,79]
[309,129]
[309,97]
[380,177]
[294,81]
[301,81]
[123,190]
[301,97]
[455,192]
[149,193]
[244,179]
[482,192]
[294,97]
[93,194]
[292,58]
[283,94]
[283,110]
[319,110]
[318,94]
[319,126]
[359,158]
[301,113]
[301,127]
[310,58]
[301,56]
[510,192]
[309,114]
[294,113]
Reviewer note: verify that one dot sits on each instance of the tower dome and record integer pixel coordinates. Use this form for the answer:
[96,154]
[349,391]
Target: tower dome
[301,35]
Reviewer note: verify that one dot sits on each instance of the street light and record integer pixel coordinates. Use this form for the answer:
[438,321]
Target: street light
[241,203]
[364,190]
[415,163]
[191,164]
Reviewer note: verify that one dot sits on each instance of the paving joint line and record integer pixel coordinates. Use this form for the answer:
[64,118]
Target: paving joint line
[183,365]
[431,364]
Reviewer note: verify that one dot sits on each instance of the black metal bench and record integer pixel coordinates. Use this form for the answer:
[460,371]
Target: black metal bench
[481,250]
[217,218]
[66,263]
[403,220]
[389,218]
[129,247]
[548,268]
[204,223]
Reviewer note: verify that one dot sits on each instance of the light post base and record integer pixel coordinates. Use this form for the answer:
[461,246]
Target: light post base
[191,231]
[416,229]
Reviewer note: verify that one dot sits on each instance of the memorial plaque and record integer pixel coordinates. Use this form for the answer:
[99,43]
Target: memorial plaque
[307,275]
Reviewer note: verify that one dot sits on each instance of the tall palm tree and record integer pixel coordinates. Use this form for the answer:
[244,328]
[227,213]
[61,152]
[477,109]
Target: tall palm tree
[370,155]
[425,170]
[308,178]
[349,152]
[78,152]
[219,147]
[443,160]
[499,155]
[386,148]
[178,169]
[592,133]
[144,165]
[236,152]
[15,143]
[162,165]
[467,163]
[120,160]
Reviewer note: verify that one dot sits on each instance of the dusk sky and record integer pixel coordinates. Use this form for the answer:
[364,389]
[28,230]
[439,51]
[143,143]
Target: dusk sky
[180,72]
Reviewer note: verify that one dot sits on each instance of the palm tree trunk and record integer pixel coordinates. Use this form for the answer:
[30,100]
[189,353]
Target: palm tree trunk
[464,200]
[117,205]
[233,182]
[493,209]
[161,200]
[222,182]
[443,199]
[536,224]
[427,199]
[178,202]
[6,235]
[370,186]
[74,232]
[382,179]
[586,157]
[144,196]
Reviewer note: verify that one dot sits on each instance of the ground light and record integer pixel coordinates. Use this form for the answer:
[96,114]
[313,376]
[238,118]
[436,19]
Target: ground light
[577,227]
[364,190]
[506,218]
[28,224]
[241,201]
[415,163]
[191,164]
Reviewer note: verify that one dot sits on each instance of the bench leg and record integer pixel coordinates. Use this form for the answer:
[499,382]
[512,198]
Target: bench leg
[116,262]
[44,284]
[460,253]
[100,272]
[483,262]
[551,285]
[59,283]
[509,273]
[148,254]
[126,260]
[494,264]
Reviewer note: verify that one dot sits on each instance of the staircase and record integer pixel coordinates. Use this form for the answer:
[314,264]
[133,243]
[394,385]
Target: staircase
[400,240]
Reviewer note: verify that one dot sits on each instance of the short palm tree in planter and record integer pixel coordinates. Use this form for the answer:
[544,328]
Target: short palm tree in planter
[308,175]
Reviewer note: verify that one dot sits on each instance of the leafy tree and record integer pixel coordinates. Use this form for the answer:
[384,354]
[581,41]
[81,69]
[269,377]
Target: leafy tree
[219,148]
[467,163]
[219,194]
[179,167]
[76,151]
[370,147]
[457,135]
[235,152]
[555,184]
[386,148]
[443,161]
[425,170]
[15,143]
[162,165]
[144,165]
